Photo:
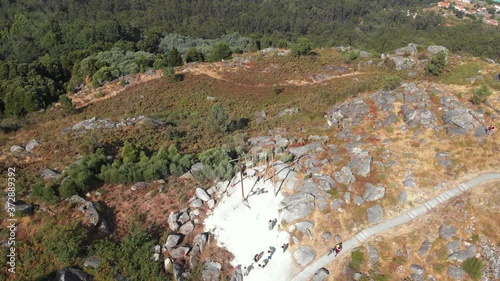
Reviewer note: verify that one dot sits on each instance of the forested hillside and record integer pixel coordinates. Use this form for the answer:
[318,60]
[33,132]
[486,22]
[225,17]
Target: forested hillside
[43,43]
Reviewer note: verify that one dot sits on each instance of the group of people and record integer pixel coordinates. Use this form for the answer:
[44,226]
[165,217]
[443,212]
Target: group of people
[257,259]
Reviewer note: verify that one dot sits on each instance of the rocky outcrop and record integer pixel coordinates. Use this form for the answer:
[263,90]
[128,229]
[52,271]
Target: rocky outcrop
[455,272]
[446,231]
[92,262]
[375,214]
[321,275]
[202,194]
[297,206]
[49,174]
[30,147]
[172,241]
[211,271]
[373,192]
[139,186]
[96,123]
[304,255]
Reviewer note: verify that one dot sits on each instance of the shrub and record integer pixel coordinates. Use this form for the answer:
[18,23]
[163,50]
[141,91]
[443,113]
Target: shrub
[357,259]
[193,55]
[174,58]
[480,95]
[392,82]
[216,164]
[82,176]
[169,74]
[63,241]
[351,56]
[218,119]
[220,51]
[277,90]
[67,104]
[473,267]
[303,47]
[437,63]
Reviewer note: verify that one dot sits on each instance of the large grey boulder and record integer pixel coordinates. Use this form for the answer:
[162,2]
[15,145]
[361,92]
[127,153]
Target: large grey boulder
[358,200]
[32,145]
[459,121]
[336,204]
[172,241]
[373,192]
[183,218]
[16,149]
[304,255]
[178,271]
[373,254]
[49,174]
[375,214]
[452,247]
[172,221]
[92,262]
[361,165]
[403,196]
[408,50]
[455,272]
[139,186]
[72,274]
[202,194]
[90,212]
[424,247]
[416,277]
[187,228]
[436,49]
[402,63]
[211,271]
[321,274]
[200,240]
[461,256]
[297,206]
[417,269]
[344,176]
[167,264]
[196,203]
[326,235]
[305,227]
[446,231]
[179,252]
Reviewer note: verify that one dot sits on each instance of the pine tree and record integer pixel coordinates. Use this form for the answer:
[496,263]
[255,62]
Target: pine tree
[174,58]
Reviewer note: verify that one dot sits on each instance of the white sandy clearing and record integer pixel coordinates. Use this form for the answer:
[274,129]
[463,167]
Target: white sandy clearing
[243,230]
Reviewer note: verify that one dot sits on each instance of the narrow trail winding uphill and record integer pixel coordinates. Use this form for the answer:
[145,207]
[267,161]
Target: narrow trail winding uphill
[362,236]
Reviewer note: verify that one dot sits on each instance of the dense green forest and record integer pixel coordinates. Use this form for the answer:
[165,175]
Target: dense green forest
[48,47]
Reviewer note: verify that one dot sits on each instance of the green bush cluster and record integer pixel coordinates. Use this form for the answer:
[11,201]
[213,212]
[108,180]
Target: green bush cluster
[182,43]
[480,95]
[392,82]
[437,63]
[216,163]
[130,258]
[82,176]
[357,259]
[136,166]
[473,267]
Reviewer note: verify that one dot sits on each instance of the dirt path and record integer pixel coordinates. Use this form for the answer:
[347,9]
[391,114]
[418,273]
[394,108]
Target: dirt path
[362,236]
